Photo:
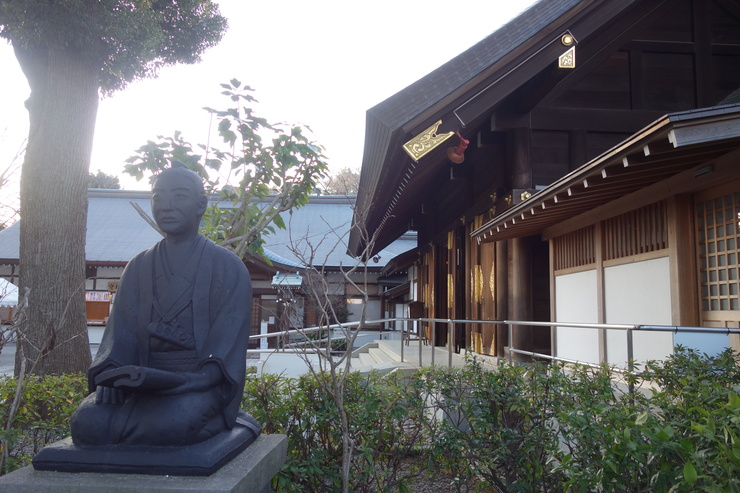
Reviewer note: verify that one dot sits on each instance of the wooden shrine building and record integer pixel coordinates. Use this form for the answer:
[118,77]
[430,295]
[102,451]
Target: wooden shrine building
[602,166]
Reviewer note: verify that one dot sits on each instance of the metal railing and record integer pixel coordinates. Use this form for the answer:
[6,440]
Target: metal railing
[406,332]
[630,329]
[283,336]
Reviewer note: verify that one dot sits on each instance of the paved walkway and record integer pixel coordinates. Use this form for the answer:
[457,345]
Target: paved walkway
[392,348]
[439,356]
[7,358]
[385,355]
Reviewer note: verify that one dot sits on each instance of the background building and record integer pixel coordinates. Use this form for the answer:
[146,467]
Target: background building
[315,235]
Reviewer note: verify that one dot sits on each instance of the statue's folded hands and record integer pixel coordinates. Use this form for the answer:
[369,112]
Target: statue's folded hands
[140,378]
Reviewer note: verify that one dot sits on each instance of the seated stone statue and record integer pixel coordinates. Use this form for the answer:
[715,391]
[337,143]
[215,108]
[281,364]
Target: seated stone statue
[171,365]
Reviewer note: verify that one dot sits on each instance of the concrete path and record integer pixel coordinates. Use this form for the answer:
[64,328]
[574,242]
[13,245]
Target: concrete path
[7,358]
[387,355]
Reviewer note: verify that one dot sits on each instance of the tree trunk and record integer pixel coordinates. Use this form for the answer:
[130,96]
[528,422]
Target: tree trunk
[62,109]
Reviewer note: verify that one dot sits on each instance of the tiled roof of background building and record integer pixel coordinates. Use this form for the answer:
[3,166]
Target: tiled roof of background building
[116,231]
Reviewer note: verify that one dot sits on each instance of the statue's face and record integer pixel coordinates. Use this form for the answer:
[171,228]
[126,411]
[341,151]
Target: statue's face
[176,205]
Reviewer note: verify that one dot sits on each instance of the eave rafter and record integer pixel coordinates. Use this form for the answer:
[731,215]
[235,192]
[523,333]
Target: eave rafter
[671,146]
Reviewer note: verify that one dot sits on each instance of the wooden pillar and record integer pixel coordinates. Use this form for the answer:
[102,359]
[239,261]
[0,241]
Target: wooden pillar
[439,290]
[522,167]
[521,295]
[487,278]
[683,269]
[502,295]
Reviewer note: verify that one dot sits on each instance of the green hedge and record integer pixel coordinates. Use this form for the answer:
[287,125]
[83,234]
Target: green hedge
[552,428]
[383,424]
[579,429]
[42,415]
[549,428]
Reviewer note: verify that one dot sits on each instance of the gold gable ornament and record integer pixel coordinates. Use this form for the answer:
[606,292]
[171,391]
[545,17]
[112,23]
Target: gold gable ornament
[568,59]
[422,144]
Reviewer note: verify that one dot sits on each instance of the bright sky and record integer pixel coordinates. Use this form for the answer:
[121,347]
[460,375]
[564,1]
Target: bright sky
[321,63]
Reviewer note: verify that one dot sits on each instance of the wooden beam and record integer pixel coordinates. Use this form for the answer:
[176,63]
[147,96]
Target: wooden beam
[639,169]
[732,7]
[636,79]
[578,147]
[725,169]
[696,153]
[658,147]
[607,40]
[703,65]
[566,119]
[703,133]
[493,92]
[589,20]
[643,46]
[522,163]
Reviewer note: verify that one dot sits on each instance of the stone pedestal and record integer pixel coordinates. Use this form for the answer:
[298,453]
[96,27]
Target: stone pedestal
[198,459]
[249,472]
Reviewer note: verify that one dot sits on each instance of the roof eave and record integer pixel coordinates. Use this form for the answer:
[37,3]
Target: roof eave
[456,110]
[681,130]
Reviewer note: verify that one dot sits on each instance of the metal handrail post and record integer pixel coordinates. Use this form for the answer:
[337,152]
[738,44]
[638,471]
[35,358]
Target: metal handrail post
[630,358]
[404,335]
[434,339]
[419,339]
[450,342]
[511,339]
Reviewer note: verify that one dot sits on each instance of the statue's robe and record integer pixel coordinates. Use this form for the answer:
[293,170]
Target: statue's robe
[176,318]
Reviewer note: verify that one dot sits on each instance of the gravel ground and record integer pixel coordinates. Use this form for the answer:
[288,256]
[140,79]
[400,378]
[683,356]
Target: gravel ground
[439,482]
[433,485]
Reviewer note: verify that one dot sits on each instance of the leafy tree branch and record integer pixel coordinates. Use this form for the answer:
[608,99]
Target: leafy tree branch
[266,170]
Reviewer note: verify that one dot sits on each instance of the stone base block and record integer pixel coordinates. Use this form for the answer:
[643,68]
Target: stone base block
[197,459]
[249,472]
[200,459]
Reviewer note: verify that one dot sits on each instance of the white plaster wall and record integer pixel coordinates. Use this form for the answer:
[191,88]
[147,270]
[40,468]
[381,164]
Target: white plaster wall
[335,283]
[400,312]
[638,293]
[414,287]
[261,284]
[576,301]
[110,272]
[372,312]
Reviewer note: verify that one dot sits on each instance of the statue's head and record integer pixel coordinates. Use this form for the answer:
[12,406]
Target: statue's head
[178,201]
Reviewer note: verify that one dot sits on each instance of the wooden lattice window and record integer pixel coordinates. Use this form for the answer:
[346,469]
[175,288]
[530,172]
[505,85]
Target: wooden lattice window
[717,223]
[256,322]
[574,249]
[637,232]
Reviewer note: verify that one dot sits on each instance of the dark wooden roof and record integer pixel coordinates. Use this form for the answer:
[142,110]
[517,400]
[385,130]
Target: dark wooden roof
[671,145]
[401,262]
[401,108]
[461,93]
